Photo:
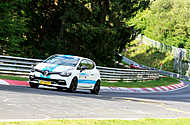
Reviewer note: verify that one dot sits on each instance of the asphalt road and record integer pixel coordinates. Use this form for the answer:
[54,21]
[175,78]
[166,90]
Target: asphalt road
[19,102]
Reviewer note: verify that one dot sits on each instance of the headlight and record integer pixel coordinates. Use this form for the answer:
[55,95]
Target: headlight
[65,74]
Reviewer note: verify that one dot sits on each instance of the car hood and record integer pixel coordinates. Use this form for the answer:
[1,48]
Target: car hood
[53,67]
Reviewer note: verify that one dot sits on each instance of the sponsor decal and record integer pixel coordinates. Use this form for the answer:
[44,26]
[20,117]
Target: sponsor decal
[83,74]
[87,81]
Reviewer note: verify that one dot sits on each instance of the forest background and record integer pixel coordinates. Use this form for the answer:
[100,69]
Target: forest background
[97,29]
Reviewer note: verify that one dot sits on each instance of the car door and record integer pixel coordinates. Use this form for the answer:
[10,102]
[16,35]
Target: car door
[91,72]
[84,75]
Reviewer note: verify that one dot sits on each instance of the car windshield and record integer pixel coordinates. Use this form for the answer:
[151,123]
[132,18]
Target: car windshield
[63,60]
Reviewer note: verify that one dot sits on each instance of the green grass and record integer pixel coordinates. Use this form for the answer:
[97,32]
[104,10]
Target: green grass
[104,122]
[136,84]
[142,84]
[9,77]
[149,56]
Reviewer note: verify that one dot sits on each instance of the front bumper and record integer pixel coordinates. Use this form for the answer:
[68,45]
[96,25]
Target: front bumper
[51,82]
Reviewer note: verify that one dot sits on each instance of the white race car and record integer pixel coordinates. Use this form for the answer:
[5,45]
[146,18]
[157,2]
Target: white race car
[66,71]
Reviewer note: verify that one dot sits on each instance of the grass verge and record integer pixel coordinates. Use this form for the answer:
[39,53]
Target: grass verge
[9,77]
[164,81]
[135,84]
[104,122]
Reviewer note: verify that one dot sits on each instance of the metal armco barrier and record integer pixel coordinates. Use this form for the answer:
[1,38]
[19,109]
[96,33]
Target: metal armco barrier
[162,72]
[10,65]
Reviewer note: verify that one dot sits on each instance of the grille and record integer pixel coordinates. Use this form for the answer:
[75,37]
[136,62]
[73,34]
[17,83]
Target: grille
[53,81]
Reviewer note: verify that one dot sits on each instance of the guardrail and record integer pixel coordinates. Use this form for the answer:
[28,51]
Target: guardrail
[10,65]
[179,54]
[162,72]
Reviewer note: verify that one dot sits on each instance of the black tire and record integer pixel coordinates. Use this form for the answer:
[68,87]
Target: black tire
[96,88]
[34,85]
[73,85]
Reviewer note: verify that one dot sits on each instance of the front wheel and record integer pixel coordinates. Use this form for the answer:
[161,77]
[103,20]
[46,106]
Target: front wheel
[34,85]
[96,88]
[73,85]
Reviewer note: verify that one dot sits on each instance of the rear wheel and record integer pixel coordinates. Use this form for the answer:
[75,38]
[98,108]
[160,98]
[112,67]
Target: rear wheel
[34,85]
[73,85]
[96,88]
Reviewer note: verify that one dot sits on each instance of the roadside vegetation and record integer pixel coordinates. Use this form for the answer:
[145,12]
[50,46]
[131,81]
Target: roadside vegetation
[149,56]
[40,28]
[163,81]
[104,122]
[166,21]
[10,77]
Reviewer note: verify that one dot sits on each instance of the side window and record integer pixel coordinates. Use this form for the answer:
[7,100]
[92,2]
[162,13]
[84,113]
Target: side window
[83,63]
[90,64]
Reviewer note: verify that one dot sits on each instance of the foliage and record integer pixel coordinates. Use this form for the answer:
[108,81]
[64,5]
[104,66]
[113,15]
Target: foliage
[94,29]
[11,77]
[12,26]
[152,57]
[166,21]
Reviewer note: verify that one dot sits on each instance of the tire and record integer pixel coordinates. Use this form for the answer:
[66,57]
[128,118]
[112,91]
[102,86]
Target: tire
[34,85]
[96,88]
[73,85]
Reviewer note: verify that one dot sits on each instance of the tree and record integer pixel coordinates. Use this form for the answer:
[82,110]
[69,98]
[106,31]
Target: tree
[13,26]
[96,29]
[167,21]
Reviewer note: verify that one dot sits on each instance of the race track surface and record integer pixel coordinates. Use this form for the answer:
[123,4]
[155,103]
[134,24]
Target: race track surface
[22,102]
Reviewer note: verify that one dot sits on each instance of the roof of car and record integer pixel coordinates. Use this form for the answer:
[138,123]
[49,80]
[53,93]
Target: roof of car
[71,56]
[74,56]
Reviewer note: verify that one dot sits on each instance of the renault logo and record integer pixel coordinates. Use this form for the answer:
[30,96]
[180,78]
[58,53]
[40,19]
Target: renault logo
[46,73]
